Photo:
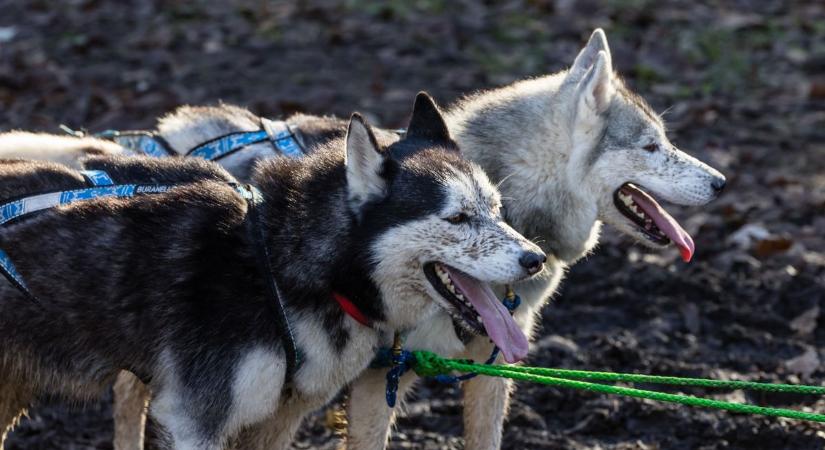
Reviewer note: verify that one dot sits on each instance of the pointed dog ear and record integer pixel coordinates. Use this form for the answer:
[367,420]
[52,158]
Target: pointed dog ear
[595,91]
[365,165]
[427,122]
[587,56]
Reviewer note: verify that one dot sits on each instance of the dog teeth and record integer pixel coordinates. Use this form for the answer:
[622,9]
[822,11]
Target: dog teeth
[444,278]
[448,283]
[632,205]
[640,212]
[441,274]
[626,199]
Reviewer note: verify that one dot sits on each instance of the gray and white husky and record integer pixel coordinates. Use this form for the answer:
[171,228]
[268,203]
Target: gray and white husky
[168,286]
[570,151]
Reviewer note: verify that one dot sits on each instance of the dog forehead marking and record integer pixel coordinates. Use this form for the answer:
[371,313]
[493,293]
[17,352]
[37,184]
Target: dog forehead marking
[470,191]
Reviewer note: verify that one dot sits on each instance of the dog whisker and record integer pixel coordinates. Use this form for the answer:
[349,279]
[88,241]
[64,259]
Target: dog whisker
[498,185]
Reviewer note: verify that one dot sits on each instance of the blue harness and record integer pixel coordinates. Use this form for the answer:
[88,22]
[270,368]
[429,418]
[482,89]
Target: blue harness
[283,138]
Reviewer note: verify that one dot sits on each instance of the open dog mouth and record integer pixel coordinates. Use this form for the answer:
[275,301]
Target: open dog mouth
[651,219]
[476,306]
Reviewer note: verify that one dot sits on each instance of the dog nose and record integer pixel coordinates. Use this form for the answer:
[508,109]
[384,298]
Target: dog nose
[532,261]
[718,184]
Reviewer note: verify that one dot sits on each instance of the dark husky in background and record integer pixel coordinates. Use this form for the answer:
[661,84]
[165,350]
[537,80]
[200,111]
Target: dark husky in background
[167,285]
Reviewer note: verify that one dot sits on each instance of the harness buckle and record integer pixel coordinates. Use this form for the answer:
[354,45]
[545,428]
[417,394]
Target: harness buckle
[76,133]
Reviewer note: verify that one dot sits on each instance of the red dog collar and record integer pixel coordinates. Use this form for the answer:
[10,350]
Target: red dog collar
[351,309]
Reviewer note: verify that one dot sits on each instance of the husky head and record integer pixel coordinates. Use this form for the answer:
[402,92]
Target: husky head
[438,239]
[576,148]
[620,144]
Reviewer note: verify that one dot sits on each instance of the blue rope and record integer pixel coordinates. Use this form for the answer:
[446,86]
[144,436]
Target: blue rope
[400,361]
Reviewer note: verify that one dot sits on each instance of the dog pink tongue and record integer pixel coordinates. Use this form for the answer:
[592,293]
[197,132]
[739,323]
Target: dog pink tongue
[500,326]
[665,222]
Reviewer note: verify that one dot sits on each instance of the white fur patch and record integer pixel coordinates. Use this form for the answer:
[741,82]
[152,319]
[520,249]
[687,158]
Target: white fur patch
[324,370]
[257,386]
[436,335]
[66,150]
[168,407]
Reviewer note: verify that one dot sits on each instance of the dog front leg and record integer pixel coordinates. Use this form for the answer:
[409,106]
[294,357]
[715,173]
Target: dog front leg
[277,431]
[486,403]
[487,399]
[131,400]
[368,416]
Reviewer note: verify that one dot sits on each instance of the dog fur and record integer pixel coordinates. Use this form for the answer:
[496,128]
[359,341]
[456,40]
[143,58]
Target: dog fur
[67,150]
[559,147]
[174,295]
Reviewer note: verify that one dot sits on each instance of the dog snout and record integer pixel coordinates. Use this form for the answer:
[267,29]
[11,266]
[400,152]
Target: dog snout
[533,262]
[718,184]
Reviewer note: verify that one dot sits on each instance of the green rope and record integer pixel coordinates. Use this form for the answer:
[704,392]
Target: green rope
[673,381]
[429,364]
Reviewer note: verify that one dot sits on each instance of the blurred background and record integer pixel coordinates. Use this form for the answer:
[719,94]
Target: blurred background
[741,84]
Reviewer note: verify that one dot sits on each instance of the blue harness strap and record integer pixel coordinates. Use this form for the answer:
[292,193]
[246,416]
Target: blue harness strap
[11,273]
[97,177]
[139,142]
[283,138]
[277,132]
[18,208]
[224,145]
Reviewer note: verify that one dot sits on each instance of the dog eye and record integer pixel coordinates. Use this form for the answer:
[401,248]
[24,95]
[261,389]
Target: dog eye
[651,147]
[458,218]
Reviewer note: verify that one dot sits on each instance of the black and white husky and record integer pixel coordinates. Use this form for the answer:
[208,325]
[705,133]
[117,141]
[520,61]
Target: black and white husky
[168,286]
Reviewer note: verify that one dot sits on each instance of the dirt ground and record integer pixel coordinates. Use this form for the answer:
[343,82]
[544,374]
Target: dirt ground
[743,83]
